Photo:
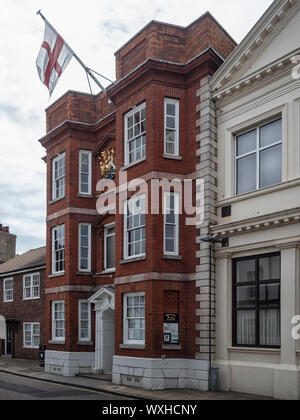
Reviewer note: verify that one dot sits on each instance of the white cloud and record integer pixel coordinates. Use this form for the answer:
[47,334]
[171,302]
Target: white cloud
[95,29]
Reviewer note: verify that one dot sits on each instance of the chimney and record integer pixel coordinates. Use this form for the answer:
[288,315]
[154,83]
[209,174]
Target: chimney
[7,244]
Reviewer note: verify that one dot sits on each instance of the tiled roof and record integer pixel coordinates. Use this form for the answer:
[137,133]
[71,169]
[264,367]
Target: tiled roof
[31,259]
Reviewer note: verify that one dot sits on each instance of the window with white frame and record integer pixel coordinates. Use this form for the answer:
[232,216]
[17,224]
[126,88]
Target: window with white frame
[31,335]
[172,127]
[8,290]
[171,223]
[109,247]
[31,286]
[259,157]
[134,318]
[84,320]
[84,259]
[58,320]
[58,177]
[58,249]
[135,227]
[135,134]
[85,172]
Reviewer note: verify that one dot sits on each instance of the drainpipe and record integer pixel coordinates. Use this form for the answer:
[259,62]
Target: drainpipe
[212,240]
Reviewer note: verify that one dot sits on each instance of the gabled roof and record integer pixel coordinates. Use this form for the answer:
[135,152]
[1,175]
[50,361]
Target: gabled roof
[273,21]
[31,259]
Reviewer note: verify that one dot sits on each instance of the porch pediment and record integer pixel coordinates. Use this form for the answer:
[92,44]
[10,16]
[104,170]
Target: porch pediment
[103,299]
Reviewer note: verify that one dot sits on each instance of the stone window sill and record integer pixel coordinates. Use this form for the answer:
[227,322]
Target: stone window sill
[171,347]
[85,343]
[130,165]
[255,350]
[133,346]
[56,200]
[131,260]
[172,257]
[59,343]
[52,276]
[84,273]
[85,196]
[172,157]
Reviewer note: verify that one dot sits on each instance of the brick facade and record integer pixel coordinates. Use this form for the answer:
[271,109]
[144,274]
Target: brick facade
[22,311]
[161,61]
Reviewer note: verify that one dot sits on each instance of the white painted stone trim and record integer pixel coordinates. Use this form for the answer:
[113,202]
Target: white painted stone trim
[160,374]
[68,363]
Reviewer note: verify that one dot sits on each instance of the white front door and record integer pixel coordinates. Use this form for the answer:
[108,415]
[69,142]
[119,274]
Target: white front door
[108,339]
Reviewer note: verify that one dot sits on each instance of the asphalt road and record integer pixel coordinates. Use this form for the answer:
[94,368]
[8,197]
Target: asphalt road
[18,388]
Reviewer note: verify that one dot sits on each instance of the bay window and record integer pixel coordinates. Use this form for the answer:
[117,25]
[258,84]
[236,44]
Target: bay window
[134,318]
[135,227]
[58,321]
[84,321]
[256,301]
[58,249]
[135,134]
[171,223]
[85,172]
[58,177]
[172,127]
[84,250]
[259,157]
[109,247]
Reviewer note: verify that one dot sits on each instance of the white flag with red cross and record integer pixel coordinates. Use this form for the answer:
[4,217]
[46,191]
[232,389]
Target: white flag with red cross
[53,58]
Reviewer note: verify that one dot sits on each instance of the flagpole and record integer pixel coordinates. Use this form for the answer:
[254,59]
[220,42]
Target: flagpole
[86,69]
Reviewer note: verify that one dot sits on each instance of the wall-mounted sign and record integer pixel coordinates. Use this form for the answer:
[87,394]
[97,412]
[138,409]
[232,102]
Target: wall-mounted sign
[171,328]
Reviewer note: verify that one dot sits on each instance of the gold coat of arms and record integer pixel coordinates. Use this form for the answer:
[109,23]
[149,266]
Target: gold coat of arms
[108,164]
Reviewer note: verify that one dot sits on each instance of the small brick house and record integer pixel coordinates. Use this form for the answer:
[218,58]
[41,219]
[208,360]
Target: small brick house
[22,304]
[121,289]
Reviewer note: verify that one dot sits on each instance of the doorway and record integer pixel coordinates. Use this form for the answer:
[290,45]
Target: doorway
[9,341]
[108,340]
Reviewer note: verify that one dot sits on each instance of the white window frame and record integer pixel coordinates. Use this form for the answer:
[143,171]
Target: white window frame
[177,127]
[31,287]
[126,340]
[54,261]
[126,147]
[126,230]
[5,291]
[80,339]
[63,177]
[32,325]
[176,224]
[89,154]
[54,338]
[257,152]
[106,236]
[82,270]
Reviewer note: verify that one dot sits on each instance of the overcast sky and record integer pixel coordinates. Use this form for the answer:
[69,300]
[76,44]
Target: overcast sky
[95,29]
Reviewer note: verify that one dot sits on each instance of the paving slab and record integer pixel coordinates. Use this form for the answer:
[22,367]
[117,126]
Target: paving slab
[31,369]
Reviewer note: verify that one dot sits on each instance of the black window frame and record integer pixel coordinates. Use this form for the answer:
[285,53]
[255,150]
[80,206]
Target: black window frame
[258,306]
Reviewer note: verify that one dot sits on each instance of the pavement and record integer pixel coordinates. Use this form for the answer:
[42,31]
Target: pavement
[31,369]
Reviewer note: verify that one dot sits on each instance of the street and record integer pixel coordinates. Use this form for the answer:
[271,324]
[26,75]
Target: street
[19,388]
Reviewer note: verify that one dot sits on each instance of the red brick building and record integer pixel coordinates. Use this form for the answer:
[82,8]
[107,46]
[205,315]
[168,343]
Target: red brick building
[22,304]
[121,290]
